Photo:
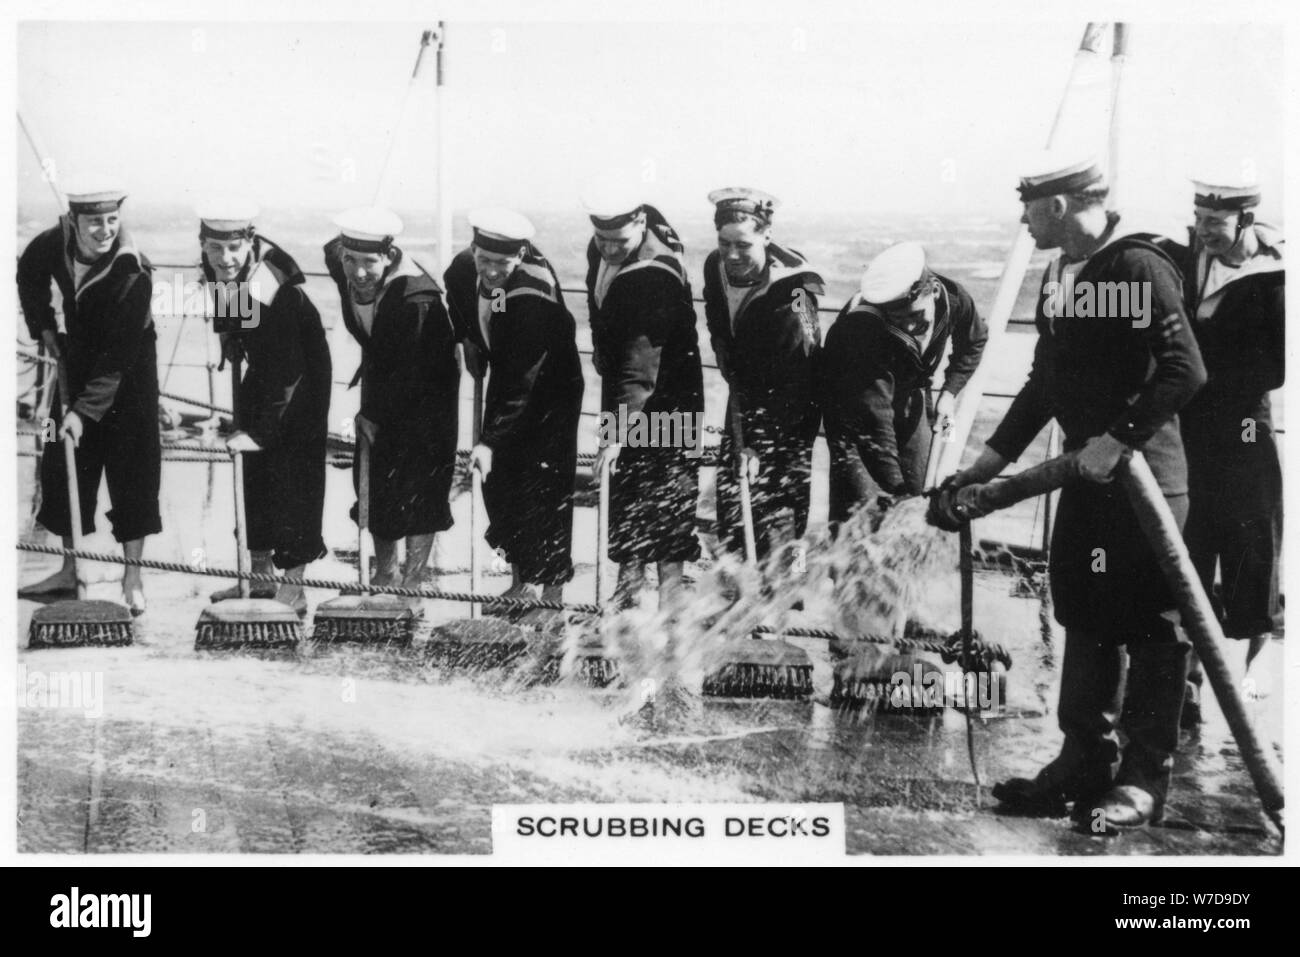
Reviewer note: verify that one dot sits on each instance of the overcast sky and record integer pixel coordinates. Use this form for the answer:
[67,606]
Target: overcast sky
[931,117]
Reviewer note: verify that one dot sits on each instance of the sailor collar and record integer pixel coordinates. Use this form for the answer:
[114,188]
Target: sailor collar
[123,248]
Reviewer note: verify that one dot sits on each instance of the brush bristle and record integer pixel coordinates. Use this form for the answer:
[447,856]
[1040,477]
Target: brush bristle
[591,669]
[477,644]
[226,635]
[365,618]
[759,681]
[248,622]
[368,631]
[760,668]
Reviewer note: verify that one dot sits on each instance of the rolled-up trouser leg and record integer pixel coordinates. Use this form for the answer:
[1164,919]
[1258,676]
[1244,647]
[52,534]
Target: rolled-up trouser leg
[1092,678]
[90,455]
[1153,704]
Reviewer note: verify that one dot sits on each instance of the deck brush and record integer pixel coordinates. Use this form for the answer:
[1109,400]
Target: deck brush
[246,622]
[760,668]
[578,652]
[70,624]
[377,619]
[867,681]
[478,644]
[80,622]
[373,619]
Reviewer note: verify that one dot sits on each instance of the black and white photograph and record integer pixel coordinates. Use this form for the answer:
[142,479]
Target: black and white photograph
[710,434]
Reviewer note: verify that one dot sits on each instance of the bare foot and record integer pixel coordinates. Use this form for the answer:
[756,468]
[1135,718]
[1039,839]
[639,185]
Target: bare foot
[133,598]
[65,579]
[292,595]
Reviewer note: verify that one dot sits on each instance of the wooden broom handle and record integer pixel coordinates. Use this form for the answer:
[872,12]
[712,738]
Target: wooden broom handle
[363,507]
[70,466]
[241,533]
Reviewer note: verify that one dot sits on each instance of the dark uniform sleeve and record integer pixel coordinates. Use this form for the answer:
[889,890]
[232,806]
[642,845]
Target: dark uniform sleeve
[969,336]
[284,367]
[334,262]
[797,336]
[511,391]
[861,384]
[129,320]
[408,392]
[35,273]
[459,276]
[1263,356]
[600,346]
[649,322]
[1179,371]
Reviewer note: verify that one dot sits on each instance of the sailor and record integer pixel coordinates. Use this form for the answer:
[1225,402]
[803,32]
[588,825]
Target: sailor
[109,351]
[264,317]
[1234,284]
[647,353]
[410,382]
[880,358]
[760,302]
[507,302]
[1115,379]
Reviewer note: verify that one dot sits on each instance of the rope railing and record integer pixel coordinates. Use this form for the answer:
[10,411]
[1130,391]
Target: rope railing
[572,290]
[944,648]
[337,456]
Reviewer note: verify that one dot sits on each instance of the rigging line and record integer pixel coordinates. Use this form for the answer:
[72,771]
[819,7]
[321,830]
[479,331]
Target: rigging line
[171,360]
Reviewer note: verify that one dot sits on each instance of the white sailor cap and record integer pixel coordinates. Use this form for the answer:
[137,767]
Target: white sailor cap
[897,277]
[500,230]
[368,229]
[1226,191]
[746,200]
[226,217]
[94,193]
[1053,172]
[612,203]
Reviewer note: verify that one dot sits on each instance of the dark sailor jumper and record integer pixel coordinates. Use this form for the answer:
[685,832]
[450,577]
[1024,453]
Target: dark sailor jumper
[531,412]
[1235,478]
[410,382]
[767,341]
[647,353]
[284,401]
[111,357]
[878,408]
[1108,374]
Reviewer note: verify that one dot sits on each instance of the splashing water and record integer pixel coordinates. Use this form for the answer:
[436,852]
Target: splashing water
[864,581]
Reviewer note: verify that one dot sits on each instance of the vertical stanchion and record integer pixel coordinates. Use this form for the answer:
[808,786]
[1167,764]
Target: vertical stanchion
[241,530]
[1118,57]
[363,510]
[602,532]
[1013,275]
[475,495]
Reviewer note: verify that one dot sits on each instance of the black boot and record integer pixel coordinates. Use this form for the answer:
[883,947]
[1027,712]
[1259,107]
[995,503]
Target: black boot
[1191,718]
[1092,676]
[1157,684]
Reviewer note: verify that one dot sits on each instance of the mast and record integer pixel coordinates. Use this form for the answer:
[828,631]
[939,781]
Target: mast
[1013,276]
[441,188]
[46,162]
[1118,57]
